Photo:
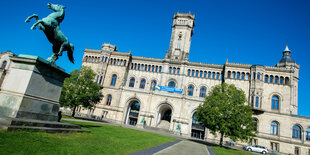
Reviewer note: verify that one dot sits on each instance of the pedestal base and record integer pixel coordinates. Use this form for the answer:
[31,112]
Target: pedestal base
[31,89]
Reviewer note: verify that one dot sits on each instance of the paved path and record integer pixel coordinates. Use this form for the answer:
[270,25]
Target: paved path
[185,147]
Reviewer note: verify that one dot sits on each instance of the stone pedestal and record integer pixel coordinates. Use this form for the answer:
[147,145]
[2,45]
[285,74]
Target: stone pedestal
[31,89]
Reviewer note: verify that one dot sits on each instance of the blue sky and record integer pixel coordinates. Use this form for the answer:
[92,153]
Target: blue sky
[244,31]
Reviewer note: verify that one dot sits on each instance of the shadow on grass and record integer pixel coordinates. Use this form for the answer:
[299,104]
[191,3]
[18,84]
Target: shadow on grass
[90,126]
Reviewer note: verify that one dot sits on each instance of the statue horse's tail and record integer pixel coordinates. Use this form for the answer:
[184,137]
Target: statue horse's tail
[70,53]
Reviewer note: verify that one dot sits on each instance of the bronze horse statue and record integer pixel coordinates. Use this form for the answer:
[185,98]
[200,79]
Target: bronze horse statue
[50,26]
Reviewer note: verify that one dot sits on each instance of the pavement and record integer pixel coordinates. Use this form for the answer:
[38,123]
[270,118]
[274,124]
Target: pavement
[182,146]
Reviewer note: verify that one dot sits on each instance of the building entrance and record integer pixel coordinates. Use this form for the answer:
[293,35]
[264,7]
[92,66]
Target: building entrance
[164,117]
[133,113]
[198,131]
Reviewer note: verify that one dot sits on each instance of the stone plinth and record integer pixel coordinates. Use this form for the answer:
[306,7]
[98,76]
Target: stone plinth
[31,89]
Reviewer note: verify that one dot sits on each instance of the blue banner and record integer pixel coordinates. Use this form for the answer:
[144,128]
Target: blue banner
[169,89]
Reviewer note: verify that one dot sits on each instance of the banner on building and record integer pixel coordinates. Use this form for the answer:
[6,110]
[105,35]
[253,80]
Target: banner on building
[169,89]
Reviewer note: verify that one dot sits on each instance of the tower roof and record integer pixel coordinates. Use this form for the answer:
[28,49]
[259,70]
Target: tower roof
[286,58]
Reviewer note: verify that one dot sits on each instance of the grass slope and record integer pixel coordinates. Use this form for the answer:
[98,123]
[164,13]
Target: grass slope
[103,139]
[225,151]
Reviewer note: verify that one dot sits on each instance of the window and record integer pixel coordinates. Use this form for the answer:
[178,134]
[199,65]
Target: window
[274,146]
[255,122]
[200,75]
[113,81]
[296,132]
[297,151]
[132,82]
[170,70]
[135,66]
[106,58]
[149,68]
[218,75]
[233,75]
[178,70]
[213,75]
[190,90]
[138,66]
[197,72]
[142,84]
[238,75]
[156,69]
[266,78]
[247,76]
[171,84]
[271,79]
[209,75]
[258,75]
[100,80]
[204,74]
[152,68]
[274,130]
[252,101]
[174,69]
[189,72]
[159,68]
[153,84]
[121,62]
[229,74]
[193,72]
[109,100]
[275,102]
[202,92]
[3,64]
[242,76]
[254,75]
[257,102]
[308,134]
[145,68]
[287,80]
[276,79]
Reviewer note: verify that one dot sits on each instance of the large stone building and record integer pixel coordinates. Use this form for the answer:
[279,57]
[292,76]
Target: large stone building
[130,98]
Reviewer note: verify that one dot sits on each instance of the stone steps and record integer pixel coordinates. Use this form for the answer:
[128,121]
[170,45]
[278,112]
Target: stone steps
[10,124]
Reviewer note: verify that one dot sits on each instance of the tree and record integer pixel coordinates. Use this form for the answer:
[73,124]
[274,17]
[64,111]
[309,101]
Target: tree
[224,111]
[80,90]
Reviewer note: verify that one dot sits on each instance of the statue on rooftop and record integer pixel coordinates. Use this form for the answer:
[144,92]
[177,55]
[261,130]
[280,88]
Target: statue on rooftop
[50,26]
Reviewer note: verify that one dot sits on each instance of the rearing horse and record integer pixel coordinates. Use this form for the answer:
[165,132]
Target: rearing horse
[50,26]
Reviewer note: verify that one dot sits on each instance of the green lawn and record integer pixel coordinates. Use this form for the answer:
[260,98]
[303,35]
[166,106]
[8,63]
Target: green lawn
[103,139]
[224,151]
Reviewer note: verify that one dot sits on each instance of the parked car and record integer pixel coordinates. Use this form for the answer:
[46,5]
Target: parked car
[256,148]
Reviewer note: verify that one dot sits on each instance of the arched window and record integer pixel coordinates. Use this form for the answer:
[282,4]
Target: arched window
[142,84]
[296,132]
[4,64]
[149,68]
[170,70]
[113,81]
[202,92]
[193,72]
[114,61]
[254,75]
[275,102]
[287,81]
[135,66]
[204,74]
[156,69]
[197,72]
[100,80]
[281,80]
[276,79]
[132,82]
[271,79]
[124,62]
[159,68]
[153,68]
[109,100]
[200,75]
[145,69]
[256,101]
[171,84]
[218,75]
[190,90]
[247,76]
[188,72]
[274,128]
[266,78]
[153,84]
[213,75]
[229,74]
[138,66]
[174,69]
[233,75]
[85,58]
[242,76]
[238,75]
[105,59]
[308,134]
[121,62]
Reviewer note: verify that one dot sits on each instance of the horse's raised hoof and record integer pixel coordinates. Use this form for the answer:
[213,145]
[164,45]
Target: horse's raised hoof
[33,28]
[27,20]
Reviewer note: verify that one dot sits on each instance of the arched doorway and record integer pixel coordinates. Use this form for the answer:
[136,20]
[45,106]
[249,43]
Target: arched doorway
[198,131]
[164,117]
[133,113]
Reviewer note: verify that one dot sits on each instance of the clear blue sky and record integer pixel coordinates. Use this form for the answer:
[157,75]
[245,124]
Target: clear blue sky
[244,31]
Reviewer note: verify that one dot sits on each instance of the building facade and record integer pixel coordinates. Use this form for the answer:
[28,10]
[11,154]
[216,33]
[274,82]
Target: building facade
[130,98]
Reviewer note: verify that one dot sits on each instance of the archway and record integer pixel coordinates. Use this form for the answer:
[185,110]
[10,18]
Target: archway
[133,113]
[198,131]
[164,117]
